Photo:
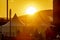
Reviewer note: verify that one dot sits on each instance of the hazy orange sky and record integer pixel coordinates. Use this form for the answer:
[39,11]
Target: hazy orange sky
[19,6]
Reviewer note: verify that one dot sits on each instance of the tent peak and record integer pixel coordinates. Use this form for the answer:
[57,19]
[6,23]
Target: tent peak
[15,16]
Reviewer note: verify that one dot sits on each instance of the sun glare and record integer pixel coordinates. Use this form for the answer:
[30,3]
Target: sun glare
[30,10]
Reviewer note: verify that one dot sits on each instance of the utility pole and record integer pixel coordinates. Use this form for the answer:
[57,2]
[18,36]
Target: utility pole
[7,10]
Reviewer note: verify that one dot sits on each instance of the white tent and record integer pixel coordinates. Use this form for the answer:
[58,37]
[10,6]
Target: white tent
[16,25]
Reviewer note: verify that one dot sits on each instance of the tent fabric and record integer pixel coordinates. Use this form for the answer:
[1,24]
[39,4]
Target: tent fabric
[16,24]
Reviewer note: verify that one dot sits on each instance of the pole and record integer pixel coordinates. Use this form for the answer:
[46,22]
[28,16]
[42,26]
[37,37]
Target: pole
[10,23]
[7,10]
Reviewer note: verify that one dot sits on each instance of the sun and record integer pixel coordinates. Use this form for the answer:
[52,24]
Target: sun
[30,10]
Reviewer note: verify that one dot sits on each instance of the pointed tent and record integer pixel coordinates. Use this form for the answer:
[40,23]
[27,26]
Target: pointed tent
[16,24]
